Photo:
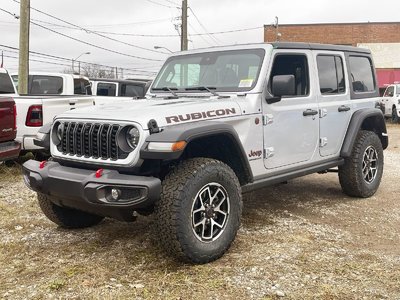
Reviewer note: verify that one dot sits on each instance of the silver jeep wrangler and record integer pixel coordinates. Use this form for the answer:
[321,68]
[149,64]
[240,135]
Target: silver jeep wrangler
[215,123]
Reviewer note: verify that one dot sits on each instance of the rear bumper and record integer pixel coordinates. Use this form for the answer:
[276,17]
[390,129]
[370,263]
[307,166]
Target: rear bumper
[9,150]
[81,189]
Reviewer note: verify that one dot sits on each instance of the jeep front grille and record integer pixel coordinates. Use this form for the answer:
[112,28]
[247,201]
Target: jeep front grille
[91,140]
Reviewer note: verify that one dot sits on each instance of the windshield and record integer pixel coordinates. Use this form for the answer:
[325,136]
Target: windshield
[223,71]
[6,86]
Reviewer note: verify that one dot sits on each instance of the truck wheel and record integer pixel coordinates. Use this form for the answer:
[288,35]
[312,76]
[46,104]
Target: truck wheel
[395,117]
[361,173]
[66,217]
[198,214]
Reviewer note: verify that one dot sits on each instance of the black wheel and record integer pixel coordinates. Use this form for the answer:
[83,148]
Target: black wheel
[361,173]
[395,117]
[199,212]
[66,217]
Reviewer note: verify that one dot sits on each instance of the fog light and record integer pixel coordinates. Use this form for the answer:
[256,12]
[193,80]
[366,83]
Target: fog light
[115,194]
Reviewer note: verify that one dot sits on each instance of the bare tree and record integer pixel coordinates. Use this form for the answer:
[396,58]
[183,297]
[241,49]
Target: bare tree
[93,71]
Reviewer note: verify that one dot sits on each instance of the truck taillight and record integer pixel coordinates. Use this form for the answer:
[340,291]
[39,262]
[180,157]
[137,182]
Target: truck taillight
[15,117]
[34,118]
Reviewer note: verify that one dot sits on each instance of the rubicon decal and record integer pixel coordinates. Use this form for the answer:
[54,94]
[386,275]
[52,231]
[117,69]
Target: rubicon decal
[201,115]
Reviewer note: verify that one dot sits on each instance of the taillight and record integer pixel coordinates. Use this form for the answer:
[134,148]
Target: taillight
[15,117]
[34,118]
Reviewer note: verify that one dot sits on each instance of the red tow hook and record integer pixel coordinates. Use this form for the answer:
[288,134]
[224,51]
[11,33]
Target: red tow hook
[42,164]
[99,173]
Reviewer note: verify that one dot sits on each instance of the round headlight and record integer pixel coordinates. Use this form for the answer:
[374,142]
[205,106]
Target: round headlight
[57,133]
[132,137]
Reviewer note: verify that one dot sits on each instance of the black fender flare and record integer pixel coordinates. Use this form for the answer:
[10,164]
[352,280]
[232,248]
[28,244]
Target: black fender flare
[190,132]
[42,138]
[369,119]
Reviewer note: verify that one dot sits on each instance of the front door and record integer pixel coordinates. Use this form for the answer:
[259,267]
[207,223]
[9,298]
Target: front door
[291,125]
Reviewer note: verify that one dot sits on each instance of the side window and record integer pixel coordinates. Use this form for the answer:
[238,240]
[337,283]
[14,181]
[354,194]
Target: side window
[82,87]
[106,89]
[43,85]
[389,92]
[296,65]
[331,74]
[130,90]
[361,74]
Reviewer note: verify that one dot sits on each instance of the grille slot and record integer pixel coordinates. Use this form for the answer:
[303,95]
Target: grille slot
[91,141]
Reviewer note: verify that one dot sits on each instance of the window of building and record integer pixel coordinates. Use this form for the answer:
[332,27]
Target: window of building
[296,65]
[331,74]
[106,89]
[362,77]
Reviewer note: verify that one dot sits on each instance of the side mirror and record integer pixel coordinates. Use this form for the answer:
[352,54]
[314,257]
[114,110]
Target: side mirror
[283,85]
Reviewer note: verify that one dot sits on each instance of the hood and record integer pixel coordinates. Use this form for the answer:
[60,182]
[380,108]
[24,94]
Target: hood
[165,112]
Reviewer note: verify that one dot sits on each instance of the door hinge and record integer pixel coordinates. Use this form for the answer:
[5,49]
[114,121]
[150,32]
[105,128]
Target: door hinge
[323,112]
[269,152]
[323,142]
[268,119]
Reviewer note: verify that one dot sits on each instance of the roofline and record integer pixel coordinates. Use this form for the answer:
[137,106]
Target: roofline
[315,46]
[330,24]
[116,80]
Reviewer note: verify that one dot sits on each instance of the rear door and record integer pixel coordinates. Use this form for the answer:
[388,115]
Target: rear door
[7,120]
[334,100]
[387,100]
[56,106]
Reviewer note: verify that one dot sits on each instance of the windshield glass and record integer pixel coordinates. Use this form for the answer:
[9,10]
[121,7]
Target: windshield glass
[223,71]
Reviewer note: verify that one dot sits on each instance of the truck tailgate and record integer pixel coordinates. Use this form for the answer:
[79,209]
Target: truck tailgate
[7,120]
[55,106]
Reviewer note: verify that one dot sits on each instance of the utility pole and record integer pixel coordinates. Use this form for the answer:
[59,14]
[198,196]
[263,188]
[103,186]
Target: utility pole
[184,31]
[23,68]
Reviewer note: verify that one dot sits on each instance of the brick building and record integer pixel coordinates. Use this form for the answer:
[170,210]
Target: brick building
[383,39]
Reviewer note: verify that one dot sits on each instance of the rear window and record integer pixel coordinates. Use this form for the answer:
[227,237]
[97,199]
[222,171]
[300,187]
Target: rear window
[362,76]
[82,87]
[43,85]
[130,90]
[106,89]
[6,85]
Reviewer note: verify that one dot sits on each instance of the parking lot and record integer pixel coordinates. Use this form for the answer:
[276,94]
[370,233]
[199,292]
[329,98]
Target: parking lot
[300,240]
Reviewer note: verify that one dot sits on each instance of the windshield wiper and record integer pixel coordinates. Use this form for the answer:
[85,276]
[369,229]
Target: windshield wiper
[203,88]
[167,89]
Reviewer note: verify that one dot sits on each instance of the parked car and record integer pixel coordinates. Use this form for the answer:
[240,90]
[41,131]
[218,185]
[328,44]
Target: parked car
[44,83]
[390,102]
[9,148]
[119,88]
[238,119]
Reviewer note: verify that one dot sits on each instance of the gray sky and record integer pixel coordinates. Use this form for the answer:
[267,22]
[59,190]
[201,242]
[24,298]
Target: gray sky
[148,18]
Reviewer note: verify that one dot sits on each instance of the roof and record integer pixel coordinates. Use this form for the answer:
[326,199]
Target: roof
[330,24]
[314,46]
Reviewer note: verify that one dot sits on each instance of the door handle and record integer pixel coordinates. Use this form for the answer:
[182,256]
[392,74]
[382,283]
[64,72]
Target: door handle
[343,108]
[310,112]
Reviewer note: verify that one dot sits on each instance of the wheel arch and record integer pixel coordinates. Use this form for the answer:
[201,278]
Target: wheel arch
[370,119]
[206,139]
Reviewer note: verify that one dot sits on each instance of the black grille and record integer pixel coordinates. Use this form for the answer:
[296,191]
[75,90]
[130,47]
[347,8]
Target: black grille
[91,140]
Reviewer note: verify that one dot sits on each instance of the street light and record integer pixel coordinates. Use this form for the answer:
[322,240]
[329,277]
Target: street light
[73,70]
[159,47]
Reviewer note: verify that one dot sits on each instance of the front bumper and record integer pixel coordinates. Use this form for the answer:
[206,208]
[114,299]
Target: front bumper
[9,150]
[81,189]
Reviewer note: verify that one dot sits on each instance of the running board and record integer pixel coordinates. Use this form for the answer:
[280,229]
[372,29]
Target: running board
[290,175]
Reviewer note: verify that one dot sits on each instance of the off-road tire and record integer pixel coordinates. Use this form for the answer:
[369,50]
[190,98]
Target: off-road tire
[351,175]
[175,208]
[66,217]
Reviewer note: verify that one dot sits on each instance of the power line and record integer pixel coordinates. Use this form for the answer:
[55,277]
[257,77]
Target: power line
[204,28]
[160,4]
[89,31]
[15,50]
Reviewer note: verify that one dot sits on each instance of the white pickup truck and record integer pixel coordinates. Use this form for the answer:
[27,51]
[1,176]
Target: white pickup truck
[44,83]
[390,102]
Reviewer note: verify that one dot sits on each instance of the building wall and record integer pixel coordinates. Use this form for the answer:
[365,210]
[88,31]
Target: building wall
[386,55]
[344,34]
